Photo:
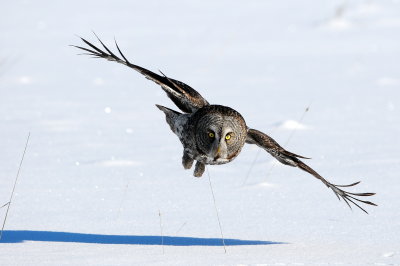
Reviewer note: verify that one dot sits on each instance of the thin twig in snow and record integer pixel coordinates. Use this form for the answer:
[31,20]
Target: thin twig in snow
[216,210]
[180,228]
[15,183]
[162,235]
[290,136]
[123,199]
[286,143]
[5,205]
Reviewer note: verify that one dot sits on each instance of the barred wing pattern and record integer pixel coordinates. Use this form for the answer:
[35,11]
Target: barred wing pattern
[272,147]
[185,98]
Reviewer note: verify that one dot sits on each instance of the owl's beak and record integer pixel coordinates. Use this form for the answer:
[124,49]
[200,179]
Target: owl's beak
[216,153]
[220,152]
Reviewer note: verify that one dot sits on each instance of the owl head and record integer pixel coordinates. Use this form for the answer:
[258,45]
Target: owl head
[220,133]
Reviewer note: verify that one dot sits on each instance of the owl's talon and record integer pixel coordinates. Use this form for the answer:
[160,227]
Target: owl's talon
[187,162]
[199,169]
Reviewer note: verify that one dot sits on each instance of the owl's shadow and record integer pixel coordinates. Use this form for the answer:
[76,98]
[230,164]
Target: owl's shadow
[18,236]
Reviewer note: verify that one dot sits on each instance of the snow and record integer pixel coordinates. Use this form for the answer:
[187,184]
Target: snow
[102,163]
[291,125]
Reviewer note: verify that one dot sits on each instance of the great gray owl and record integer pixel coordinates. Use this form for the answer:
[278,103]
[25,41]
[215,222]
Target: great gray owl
[214,134]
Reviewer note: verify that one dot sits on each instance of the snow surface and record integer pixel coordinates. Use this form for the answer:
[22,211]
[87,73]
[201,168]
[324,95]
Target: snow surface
[102,163]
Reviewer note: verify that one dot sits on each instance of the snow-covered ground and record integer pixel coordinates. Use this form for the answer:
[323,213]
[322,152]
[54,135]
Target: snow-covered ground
[102,163]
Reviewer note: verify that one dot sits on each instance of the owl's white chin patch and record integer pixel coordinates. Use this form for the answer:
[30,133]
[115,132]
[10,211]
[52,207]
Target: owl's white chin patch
[219,161]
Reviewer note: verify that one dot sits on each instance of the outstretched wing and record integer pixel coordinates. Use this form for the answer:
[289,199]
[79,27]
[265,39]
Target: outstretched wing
[186,98]
[272,147]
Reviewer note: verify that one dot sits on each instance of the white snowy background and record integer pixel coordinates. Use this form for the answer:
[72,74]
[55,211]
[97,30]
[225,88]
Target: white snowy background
[102,163]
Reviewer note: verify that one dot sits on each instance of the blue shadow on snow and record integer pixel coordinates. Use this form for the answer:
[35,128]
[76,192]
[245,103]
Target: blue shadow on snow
[19,236]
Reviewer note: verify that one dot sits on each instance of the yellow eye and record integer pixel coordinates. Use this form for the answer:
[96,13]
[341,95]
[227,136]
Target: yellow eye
[211,135]
[228,137]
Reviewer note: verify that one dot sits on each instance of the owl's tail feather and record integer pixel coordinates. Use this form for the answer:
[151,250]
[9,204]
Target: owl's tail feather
[170,115]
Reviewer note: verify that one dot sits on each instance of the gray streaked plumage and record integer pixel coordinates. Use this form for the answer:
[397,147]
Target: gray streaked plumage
[215,134]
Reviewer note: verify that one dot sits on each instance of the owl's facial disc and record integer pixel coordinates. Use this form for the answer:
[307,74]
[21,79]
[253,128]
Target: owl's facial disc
[219,147]
[220,133]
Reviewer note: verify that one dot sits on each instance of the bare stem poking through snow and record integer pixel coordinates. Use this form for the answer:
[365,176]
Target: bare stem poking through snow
[15,183]
[290,136]
[286,143]
[216,210]
[162,234]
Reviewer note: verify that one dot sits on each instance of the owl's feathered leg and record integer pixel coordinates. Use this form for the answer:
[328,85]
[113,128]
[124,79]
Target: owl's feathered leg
[199,169]
[187,161]
[272,147]
[171,117]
